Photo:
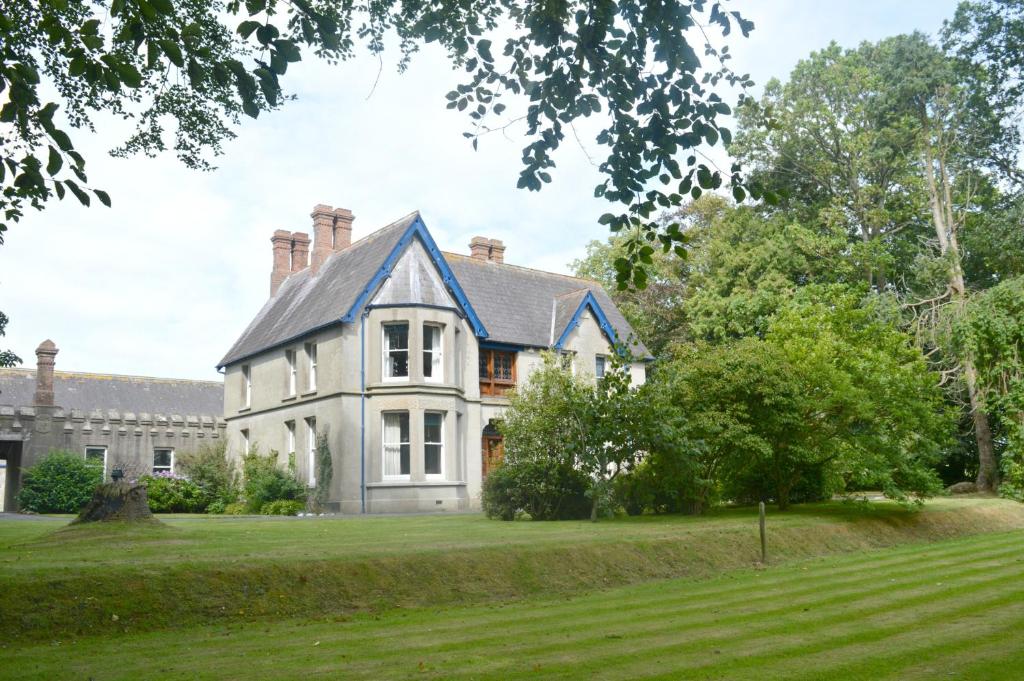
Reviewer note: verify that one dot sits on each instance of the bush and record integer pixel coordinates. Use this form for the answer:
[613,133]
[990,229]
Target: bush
[172,493]
[265,481]
[664,483]
[282,507]
[236,508]
[214,473]
[542,488]
[61,483]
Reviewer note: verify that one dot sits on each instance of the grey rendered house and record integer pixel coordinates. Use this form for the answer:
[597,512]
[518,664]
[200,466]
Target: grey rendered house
[402,354]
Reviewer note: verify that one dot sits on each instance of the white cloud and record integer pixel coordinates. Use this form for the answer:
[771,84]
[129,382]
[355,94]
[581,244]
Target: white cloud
[163,282]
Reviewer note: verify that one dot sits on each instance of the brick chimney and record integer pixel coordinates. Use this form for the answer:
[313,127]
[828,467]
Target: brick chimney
[491,250]
[342,228]
[300,251]
[45,354]
[332,231]
[497,251]
[480,248]
[282,241]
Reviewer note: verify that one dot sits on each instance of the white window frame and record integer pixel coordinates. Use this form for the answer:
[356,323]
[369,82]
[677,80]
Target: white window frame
[602,362]
[247,380]
[311,358]
[85,455]
[386,352]
[170,468]
[385,444]
[437,376]
[289,427]
[244,432]
[311,450]
[440,474]
[293,372]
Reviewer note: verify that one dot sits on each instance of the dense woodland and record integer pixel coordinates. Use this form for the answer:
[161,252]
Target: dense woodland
[865,331]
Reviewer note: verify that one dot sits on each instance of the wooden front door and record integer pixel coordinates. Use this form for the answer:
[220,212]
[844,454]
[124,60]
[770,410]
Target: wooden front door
[493,452]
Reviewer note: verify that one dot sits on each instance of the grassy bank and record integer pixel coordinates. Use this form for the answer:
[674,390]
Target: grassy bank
[66,583]
[952,609]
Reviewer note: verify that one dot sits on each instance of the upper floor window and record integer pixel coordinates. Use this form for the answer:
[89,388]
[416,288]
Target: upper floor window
[293,373]
[433,443]
[246,385]
[396,351]
[163,460]
[396,444]
[497,371]
[599,364]
[433,366]
[311,357]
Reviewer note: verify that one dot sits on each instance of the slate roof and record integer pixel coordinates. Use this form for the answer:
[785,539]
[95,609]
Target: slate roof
[137,394]
[515,304]
[305,303]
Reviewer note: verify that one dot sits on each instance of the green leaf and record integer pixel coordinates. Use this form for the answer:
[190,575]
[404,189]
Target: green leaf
[165,7]
[129,75]
[172,51]
[54,163]
[102,196]
[62,139]
[82,197]
[246,28]
[738,194]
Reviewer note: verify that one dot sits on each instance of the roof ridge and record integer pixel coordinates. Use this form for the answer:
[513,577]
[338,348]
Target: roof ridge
[463,256]
[88,374]
[572,292]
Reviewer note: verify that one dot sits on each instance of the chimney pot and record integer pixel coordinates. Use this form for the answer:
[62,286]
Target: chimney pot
[45,354]
[282,244]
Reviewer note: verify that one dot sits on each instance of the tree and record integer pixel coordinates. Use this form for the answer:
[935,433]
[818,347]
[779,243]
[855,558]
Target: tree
[7,357]
[199,66]
[746,265]
[597,427]
[993,333]
[834,396]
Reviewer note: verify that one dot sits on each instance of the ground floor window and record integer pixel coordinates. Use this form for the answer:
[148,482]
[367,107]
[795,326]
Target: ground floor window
[96,457]
[163,460]
[396,444]
[311,456]
[433,443]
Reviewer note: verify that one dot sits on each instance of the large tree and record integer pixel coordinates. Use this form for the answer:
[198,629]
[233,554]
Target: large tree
[189,69]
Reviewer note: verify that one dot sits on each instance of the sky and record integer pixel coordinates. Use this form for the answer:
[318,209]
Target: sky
[162,283]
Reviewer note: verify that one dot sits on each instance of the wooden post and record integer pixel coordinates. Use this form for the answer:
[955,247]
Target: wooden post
[764,537]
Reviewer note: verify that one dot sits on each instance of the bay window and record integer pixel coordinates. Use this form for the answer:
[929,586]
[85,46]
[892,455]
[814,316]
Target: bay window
[396,444]
[433,367]
[396,351]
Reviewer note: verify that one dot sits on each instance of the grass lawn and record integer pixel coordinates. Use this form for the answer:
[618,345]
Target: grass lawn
[947,609]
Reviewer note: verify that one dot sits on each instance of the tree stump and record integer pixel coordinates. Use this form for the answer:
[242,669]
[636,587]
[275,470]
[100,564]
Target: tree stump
[122,501]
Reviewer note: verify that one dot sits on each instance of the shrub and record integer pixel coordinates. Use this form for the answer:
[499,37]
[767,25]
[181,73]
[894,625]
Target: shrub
[265,481]
[214,473]
[172,493]
[61,483]
[324,473]
[236,508]
[282,507]
[545,489]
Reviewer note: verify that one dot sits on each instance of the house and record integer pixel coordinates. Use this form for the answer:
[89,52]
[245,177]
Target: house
[401,355]
[133,423]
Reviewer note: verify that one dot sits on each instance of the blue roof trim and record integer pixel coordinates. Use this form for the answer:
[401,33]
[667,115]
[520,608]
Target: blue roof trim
[602,320]
[418,230]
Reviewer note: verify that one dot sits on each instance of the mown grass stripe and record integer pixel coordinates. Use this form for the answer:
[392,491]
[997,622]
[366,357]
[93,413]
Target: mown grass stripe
[663,639]
[674,605]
